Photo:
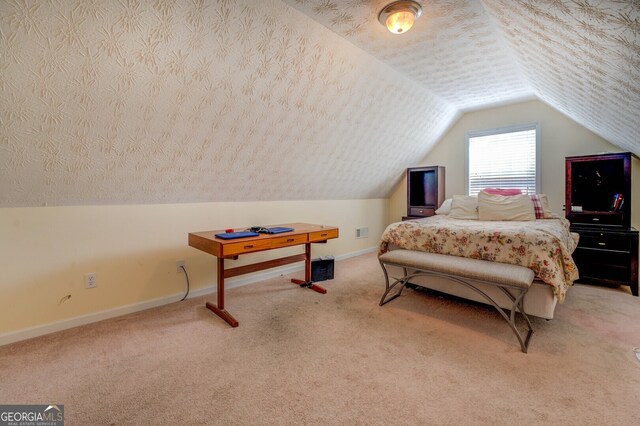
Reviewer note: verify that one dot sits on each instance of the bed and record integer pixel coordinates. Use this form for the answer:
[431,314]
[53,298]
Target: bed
[542,245]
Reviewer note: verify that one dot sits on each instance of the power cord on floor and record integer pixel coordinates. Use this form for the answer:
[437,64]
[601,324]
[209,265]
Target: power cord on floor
[186,275]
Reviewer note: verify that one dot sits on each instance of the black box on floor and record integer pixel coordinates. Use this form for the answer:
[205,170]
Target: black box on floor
[322,268]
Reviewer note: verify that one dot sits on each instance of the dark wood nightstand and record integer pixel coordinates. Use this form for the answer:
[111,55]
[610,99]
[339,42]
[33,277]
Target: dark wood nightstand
[607,256]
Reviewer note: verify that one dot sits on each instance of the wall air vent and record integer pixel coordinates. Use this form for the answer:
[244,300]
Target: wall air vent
[362,233]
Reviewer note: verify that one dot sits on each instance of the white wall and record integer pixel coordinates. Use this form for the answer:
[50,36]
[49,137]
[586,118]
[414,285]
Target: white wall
[133,249]
[560,137]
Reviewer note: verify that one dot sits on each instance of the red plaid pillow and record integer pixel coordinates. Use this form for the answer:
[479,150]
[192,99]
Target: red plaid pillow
[537,206]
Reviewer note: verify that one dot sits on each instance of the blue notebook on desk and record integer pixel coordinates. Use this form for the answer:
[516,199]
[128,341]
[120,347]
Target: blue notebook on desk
[232,235]
[277,230]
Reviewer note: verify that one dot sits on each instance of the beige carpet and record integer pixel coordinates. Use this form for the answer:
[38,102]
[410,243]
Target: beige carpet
[300,357]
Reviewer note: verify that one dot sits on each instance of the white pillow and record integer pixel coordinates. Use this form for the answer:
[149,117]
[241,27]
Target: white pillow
[445,208]
[500,207]
[464,207]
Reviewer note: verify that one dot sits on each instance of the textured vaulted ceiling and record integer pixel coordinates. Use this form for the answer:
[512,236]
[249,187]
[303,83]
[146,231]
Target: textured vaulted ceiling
[159,101]
[453,50]
[582,57]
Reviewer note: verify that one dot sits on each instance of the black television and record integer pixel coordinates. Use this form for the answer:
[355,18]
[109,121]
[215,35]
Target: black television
[598,190]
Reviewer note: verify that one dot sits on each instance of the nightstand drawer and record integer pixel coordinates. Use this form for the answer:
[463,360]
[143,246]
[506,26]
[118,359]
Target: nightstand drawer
[323,235]
[587,256]
[419,211]
[288,241]
[246,247]
[590,271]
[605,242]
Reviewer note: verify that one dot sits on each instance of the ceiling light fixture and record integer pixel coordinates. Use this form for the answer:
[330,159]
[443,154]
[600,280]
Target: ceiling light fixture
[398,16]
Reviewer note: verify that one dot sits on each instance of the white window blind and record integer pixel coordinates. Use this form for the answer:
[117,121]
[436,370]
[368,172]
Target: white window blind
[502,158]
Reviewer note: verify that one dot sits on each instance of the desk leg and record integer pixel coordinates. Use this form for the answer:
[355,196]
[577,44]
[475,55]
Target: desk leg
[307,283]
[219,310]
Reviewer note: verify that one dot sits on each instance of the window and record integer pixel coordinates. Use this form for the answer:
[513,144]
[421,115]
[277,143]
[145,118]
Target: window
[503,158]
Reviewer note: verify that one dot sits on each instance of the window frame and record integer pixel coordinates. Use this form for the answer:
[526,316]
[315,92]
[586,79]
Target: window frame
[497,131]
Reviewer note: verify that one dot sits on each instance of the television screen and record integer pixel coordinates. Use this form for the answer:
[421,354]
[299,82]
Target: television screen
[598,185]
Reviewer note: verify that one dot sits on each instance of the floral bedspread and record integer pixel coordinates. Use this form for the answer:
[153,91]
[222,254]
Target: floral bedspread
[543,245]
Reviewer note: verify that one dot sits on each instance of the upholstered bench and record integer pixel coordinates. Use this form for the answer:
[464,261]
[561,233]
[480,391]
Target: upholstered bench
[513,280]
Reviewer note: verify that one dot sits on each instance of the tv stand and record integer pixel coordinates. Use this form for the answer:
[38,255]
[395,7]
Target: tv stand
[425,191]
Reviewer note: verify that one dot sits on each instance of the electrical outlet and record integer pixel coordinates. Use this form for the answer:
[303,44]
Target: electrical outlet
[179,265]
[90,280]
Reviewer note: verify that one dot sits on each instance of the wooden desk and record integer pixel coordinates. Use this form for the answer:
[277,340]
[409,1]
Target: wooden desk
[303,233]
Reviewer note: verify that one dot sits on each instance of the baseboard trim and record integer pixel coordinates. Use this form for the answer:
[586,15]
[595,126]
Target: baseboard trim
[40,330]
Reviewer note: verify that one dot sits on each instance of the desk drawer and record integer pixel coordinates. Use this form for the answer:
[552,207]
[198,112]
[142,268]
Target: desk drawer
[291,240]
[246,247]
[323,235]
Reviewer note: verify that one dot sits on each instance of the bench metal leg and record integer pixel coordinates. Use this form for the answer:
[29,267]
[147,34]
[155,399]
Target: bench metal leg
[401,282]
[517,298]
[517,305]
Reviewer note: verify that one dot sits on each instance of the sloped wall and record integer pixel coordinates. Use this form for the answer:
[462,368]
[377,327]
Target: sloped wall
[137,102]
